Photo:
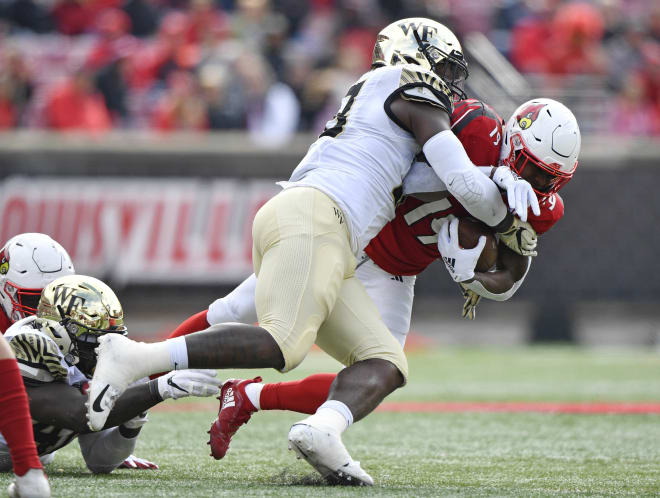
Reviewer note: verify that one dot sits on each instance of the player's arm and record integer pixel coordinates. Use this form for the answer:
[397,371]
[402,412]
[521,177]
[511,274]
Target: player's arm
[61,405]
[501,284]
[429,124]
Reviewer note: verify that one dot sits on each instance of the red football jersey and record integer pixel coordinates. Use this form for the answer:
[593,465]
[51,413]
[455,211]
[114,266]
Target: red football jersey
[409,243]
[5,322]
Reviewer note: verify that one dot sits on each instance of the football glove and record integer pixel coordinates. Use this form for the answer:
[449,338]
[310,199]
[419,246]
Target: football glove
[520,237]
[182,383]
[136,463]
[470,305]
[460,262]
[519,192]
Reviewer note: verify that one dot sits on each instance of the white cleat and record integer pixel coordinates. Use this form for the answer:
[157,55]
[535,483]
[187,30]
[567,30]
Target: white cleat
[323,450]
[33,484]
[118,365]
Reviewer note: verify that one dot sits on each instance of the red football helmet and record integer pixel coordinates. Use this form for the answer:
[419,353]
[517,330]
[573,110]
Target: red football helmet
[479,129]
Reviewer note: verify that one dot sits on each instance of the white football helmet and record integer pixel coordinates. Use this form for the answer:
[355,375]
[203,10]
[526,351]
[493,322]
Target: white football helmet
[75,311]
[427,43]
[28,262]
[545,133]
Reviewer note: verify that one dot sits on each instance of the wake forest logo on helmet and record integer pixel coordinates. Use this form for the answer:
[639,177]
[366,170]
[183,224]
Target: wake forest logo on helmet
[65,297]
[427,31]
[528,115]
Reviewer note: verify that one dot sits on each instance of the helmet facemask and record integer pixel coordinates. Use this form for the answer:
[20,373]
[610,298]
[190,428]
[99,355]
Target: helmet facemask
[520,158]
[451,67]
[84,340]
[24,301]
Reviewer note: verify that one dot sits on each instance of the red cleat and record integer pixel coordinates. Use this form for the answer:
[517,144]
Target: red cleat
[235,410]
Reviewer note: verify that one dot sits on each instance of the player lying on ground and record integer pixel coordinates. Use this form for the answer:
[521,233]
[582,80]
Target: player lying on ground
[307,237]
[55,354]
[405,247]
[28,262]
[16,425]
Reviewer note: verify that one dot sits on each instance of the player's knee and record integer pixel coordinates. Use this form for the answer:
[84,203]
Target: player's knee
[294,348]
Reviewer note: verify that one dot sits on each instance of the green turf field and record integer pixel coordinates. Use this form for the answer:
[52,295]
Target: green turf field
[423,454]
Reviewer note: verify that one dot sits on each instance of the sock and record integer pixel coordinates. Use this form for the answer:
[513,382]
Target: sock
[164,356]
[334,414]
[15,420]
[253,392]
[195,323]
[302,396]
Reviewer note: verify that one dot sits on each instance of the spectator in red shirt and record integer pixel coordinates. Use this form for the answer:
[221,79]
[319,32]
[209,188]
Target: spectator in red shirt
[76,105]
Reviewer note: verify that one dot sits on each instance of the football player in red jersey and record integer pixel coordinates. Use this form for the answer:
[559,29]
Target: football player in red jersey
[410,242]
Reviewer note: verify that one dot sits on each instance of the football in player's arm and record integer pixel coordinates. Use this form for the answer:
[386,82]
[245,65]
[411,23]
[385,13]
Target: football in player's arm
[55,354]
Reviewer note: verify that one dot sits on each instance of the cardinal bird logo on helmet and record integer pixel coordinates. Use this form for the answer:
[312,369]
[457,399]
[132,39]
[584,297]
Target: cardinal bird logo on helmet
[528,115]
[4,262]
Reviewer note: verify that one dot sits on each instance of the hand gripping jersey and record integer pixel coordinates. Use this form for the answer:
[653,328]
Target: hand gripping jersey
[361,157]
[409,243]
[40,361]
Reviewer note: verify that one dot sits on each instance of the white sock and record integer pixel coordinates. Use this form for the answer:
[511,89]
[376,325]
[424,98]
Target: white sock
[334,414]
[253,392]
[163,356]
[178,353]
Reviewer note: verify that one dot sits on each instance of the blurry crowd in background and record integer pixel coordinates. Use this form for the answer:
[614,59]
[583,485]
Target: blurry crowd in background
[275,67]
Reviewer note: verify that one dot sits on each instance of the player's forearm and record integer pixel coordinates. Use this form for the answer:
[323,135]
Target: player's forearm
[136,400]
[63,406]
[475,191]
[503,283]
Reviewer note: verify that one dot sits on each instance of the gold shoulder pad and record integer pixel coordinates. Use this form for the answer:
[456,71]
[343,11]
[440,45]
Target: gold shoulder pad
[421,85]
[38,356]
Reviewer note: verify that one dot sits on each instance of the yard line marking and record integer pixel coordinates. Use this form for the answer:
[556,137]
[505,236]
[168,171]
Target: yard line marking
[594,408]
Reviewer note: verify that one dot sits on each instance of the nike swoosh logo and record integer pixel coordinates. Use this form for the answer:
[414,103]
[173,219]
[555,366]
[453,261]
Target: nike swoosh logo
[169,381]
[97,402]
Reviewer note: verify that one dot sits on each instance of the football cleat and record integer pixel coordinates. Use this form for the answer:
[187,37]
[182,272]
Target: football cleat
[33,484]
[235,410]
[119,363]
[322,448]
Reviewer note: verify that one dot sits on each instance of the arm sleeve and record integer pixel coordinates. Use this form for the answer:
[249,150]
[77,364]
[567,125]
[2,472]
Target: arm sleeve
[477,287]
[476,192]
[104,451]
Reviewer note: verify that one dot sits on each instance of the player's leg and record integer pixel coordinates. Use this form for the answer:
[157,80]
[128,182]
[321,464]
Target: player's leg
[392,295]
[302,255]
[16,428]
[237,306]
[355,335]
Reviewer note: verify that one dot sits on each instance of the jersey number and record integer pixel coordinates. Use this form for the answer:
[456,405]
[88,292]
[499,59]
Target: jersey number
[336,125]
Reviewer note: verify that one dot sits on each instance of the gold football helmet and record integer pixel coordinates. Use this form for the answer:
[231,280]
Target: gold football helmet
[75,310]
[427,43]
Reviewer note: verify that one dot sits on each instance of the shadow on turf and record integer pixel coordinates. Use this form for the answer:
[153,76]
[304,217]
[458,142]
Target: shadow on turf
[288,478]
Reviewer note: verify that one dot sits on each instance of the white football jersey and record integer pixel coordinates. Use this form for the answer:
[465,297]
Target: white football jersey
[362,156]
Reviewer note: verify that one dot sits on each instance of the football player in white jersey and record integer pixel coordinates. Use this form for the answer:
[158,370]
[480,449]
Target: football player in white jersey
[28,262]
[55,354]
[306,238]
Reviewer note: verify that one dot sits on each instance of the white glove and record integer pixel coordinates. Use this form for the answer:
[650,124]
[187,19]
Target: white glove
[460,262]
[182,383]
[136,463]
[520,237]
[470,305]
[519,192]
